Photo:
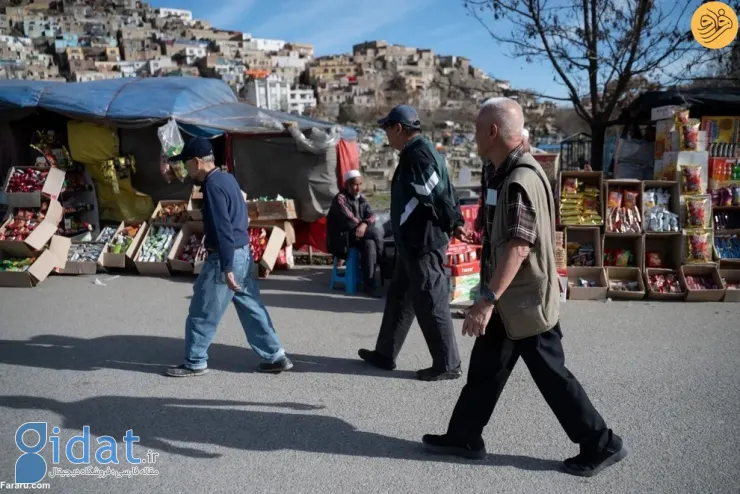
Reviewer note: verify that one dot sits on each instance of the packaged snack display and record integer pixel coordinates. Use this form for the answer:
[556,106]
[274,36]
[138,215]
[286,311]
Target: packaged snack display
[732,285]
[257,242]
[584,283]
[172,213]
[23,223]
[623,212]
[622,258]
[579,203]
[697,209]
[120,243]
[158,244]
[701,282]
[16,265]
[653,260]
[699,248]
[691,180]
[192,250]
[624,286]
[727,246]
[85,252]
[581,254]
[106,234]
[71,227]
[664,283]
[24,180]
[657,214]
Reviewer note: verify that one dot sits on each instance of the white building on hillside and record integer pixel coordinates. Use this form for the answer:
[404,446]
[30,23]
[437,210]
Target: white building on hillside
[301,99]
[185,15]
[262,44]
[193,53]
[271,92]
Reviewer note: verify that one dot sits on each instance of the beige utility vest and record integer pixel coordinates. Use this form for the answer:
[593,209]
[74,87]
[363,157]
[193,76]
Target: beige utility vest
[531,304]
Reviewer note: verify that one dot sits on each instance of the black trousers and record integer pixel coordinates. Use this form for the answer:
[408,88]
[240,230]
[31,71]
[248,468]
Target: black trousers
[493,358]
[371,248]
[420,287]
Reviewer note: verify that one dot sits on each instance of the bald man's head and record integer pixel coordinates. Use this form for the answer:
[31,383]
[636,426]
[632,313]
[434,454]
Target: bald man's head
[499,127]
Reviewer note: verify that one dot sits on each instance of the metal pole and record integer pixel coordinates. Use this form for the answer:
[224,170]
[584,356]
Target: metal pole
[310,255]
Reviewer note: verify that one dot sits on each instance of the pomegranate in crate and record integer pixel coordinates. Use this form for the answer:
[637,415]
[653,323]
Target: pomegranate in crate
[257,242]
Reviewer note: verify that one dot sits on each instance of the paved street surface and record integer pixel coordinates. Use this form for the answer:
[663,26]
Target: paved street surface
[72,353]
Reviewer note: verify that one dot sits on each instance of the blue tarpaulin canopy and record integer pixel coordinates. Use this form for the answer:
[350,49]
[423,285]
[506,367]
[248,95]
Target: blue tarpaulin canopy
[202,106]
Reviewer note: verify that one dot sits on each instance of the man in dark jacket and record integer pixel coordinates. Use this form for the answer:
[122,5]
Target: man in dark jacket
[424,213]
[351,223]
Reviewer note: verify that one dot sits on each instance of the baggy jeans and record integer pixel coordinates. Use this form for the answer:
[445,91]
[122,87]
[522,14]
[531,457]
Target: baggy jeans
[211,297]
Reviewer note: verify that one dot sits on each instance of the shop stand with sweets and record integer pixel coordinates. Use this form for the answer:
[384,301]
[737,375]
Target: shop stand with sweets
[731,279]
[270,213]
[29,271]
[625,283]
[463,269]
[165,224]
[587,283]
[188,248]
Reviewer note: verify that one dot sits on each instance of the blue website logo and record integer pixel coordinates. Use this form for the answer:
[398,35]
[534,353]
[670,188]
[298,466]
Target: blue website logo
[32,437]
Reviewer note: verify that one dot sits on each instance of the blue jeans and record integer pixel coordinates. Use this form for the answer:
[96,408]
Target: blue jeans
[211,297]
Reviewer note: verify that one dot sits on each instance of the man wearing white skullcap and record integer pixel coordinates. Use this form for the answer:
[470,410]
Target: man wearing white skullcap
[351,223]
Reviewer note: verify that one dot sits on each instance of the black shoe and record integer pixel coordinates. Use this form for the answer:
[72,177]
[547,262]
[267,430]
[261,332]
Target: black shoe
[590,464]
[432,374]
[448,445]
[183,371]
[284,364]
[376,360]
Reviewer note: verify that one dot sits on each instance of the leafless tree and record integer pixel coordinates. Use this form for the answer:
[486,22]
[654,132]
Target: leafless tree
[595,47]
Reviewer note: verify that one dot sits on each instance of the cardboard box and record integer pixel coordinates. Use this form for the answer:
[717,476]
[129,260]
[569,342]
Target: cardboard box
[585,235]
[153,220]
[51,189]
[625,274]
[622,185]
[275,242]
[653,295]
[181,241]
[675,202]
[125,259]
[596,274]
[276,210]
[464,288]
[156,268]
[55,257]
[286,226]
[595,179]
[733,276]
[194,208]
[466,268]
[669,246]
[663,143]
[635,242]
[83,267]
[703,295]
[39,237]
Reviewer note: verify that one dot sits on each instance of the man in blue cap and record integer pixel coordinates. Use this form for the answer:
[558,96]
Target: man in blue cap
[227,272]
[424,213]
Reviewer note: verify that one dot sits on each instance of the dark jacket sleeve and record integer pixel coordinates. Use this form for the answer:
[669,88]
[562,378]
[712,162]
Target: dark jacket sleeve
[218,210]
[368,215]
[341,215]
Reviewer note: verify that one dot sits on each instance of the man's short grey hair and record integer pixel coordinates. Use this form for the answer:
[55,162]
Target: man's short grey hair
[509,112]
[209,159]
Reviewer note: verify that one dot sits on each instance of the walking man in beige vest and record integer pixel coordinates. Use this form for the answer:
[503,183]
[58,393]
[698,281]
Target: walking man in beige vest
[518,312]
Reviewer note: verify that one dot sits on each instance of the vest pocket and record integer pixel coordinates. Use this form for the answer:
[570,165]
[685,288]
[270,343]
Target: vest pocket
[522,309]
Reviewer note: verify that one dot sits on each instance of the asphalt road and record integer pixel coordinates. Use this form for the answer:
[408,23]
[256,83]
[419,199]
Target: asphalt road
[72,353]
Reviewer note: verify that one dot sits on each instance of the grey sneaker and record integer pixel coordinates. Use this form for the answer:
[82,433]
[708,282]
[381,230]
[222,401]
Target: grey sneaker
[183,371]
[284,364]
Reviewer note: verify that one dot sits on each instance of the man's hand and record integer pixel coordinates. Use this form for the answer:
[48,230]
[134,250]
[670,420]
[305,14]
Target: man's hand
[233,285]
[462,234]
[477,318]
[361,229]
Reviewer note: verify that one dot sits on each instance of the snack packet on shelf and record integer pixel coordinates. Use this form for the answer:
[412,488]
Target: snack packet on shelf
[691,179]
[697,209]
[681,119]
[699,248]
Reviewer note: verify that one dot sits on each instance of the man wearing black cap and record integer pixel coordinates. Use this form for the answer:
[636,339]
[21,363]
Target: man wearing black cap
[424,213]
[227,272]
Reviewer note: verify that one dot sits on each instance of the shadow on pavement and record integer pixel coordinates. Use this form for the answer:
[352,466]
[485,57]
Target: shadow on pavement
[160,421]
[153,354]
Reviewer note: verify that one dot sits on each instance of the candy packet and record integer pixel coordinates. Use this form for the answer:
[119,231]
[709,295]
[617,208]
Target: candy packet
[680,119]
[653,260]
[696,212]
[691,179]
[629,200]
[570,187]
[615,199]
[690,132]
[699,248]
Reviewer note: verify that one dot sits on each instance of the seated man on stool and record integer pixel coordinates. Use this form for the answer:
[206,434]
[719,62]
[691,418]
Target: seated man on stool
[351,223]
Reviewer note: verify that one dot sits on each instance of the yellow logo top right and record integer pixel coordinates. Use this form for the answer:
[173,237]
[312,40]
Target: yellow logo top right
[714,25]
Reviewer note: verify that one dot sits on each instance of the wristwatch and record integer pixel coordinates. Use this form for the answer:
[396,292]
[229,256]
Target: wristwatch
[488,295]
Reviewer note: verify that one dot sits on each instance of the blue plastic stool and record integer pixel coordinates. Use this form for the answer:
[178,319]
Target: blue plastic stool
[350,275]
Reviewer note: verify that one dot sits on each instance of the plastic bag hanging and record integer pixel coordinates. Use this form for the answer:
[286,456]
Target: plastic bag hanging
[172,145]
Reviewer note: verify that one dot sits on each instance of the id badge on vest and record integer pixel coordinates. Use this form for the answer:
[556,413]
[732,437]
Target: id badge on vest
[491,197]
